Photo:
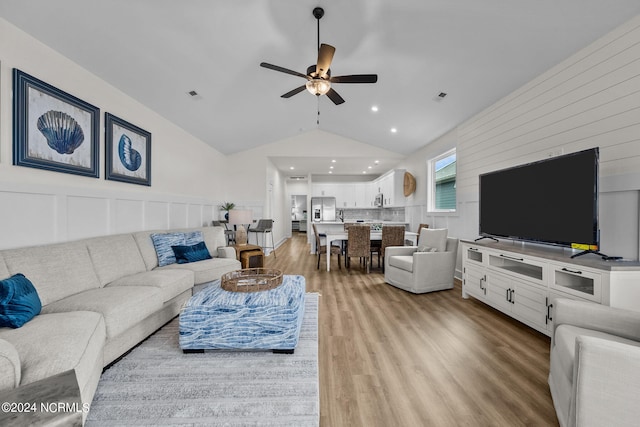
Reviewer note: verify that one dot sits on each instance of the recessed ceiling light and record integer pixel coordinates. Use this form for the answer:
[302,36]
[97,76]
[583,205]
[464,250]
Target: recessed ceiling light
[374,108]
[376,162]
[369,167]
[394,130]
[364,171]
[333,161]
[330,167]
[330,171]
[291,167]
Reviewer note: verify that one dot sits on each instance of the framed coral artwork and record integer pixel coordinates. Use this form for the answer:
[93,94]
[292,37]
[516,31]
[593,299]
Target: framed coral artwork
[128,152]
[52,129]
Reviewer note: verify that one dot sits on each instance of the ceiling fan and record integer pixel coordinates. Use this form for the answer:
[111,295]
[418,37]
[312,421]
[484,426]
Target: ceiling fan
[318,76]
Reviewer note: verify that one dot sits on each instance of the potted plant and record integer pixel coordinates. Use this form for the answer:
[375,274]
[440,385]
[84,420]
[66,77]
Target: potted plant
[227,206]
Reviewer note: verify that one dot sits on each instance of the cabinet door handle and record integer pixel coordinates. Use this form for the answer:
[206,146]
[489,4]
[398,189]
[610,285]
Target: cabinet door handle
[511,257]
[508,295]
[571,271]
[513,300]
[549,307]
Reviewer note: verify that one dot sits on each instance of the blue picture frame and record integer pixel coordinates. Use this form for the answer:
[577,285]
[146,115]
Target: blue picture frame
[127,152]
[52,129]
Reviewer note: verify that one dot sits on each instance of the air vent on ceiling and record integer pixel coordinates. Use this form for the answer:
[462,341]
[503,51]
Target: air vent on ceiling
[440,96]
[297,178]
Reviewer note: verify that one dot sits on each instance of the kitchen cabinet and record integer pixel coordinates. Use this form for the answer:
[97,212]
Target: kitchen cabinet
[348,195]
[391,187]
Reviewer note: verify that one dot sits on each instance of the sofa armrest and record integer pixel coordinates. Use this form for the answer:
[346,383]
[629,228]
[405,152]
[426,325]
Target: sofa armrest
[606,383]
[10,369]
[399,250]
[589,315]
[226,252]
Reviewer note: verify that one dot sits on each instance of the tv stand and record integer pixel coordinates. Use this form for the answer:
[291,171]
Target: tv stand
[590,251]
[523,281]
[487,237]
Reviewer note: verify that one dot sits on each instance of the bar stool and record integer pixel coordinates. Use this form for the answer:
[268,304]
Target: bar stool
[265,227]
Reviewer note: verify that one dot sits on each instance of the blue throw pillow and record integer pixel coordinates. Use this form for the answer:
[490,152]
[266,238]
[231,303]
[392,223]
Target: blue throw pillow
[19,301]
[192,253]
[163,243]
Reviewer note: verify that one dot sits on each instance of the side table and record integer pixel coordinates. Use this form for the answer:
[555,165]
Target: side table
[249,255]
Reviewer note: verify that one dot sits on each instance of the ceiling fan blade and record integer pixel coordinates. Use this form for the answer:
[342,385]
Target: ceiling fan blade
[355,78]
[283,70]
[294,92]
[333,95]
[325,56]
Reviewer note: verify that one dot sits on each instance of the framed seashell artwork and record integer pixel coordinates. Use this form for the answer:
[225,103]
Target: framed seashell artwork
[127,152]
[53,130]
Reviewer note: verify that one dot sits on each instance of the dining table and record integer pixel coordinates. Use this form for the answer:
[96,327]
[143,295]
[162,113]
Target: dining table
[333,236]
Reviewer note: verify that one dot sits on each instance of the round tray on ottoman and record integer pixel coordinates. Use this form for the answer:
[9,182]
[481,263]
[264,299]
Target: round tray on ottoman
[251,280]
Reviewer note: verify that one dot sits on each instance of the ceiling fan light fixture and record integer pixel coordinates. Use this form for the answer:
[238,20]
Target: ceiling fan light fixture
[318,86]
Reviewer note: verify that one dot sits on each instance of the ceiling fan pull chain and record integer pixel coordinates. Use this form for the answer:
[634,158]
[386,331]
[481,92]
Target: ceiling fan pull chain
[318,117]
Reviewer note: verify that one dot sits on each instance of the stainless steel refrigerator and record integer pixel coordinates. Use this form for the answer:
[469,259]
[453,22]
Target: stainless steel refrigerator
[323,209]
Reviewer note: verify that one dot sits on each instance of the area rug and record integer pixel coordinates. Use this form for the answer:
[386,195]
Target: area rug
[156,384]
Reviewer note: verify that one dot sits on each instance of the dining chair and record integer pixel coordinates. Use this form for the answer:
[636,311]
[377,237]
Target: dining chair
[359,244]
[392,235]
[322,249]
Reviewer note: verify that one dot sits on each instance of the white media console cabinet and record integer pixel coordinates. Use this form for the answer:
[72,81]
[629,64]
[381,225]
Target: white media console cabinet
[523,280]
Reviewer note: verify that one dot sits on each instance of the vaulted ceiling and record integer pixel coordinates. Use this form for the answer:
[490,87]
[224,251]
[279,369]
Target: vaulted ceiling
[475,51]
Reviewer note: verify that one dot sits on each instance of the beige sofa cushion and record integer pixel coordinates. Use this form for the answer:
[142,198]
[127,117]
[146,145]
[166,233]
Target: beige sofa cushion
[4,271]
[565,342]
[115,257]
[54,343]
[121,306]
[57,270]
[214,238]
[170,283]
[147,250]
[206,270]
[10,371]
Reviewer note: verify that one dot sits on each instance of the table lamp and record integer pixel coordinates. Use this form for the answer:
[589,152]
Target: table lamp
[238,218]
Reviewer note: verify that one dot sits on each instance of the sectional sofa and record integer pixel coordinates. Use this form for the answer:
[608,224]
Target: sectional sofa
[100,297]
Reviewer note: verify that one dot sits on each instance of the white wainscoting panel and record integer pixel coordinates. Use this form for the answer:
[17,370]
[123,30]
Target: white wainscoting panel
[178,215]
[34,214]
[87,217]
[194,215]
[27,219]
[128,216]
[156,215]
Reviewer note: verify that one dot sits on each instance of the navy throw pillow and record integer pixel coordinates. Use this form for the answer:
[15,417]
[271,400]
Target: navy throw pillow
[19,301]
[192,253]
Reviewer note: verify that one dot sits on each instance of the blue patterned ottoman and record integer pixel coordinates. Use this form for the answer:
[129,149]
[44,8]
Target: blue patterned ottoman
[268,320]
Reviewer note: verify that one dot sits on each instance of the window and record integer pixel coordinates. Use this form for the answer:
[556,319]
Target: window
[442,174]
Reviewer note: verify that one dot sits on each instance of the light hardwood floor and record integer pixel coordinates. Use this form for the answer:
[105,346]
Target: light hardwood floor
[392,358]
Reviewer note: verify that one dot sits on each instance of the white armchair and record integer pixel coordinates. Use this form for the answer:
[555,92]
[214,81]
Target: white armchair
[407,268]
[594,374]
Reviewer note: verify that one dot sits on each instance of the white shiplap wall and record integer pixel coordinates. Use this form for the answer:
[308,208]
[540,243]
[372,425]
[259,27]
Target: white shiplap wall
[591,99]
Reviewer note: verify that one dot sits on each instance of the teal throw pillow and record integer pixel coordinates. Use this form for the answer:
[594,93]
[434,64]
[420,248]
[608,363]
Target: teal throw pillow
[191,253]
[19,301]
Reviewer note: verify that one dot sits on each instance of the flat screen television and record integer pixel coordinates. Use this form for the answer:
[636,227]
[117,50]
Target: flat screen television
[553,201]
